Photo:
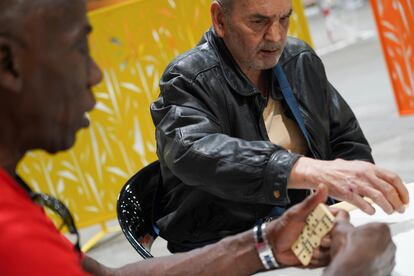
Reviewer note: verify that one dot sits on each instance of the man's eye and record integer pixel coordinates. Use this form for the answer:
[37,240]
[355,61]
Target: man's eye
[284,19]
[257,22]
[83,48]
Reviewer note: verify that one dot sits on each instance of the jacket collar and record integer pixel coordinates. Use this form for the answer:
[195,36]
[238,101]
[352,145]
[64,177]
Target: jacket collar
[230,69]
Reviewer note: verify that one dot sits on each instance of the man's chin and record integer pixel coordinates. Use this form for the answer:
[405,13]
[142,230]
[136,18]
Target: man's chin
[267,64]
[272,63]
[61,146]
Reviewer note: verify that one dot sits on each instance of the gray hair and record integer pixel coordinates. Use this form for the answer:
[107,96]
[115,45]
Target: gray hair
[227,5]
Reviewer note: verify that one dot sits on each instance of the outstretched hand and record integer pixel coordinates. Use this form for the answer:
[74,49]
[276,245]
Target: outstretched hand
[351,181]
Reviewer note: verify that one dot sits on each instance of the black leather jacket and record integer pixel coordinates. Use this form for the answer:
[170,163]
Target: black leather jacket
[219,168]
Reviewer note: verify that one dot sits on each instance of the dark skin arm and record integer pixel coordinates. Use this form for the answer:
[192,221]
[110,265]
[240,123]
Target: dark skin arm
[234,255]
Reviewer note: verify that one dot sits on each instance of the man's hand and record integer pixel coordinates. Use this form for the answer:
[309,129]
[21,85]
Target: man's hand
[283,232]
[363,251]
[351,181]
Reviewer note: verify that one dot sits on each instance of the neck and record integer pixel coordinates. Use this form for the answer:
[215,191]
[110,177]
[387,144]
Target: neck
[259,79]
[10,152]
[9,159]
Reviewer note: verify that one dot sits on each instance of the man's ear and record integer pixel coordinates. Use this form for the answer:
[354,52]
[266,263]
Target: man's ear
[10,65]
[217,18]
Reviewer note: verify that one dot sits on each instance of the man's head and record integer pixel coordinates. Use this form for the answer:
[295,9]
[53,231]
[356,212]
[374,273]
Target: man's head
[46,72]
[254,31]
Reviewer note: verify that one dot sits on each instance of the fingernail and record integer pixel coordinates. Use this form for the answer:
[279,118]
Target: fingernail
[321,186]
[402,209]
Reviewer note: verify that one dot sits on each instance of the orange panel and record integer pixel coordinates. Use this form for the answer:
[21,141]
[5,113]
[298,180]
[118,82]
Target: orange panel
[395,19]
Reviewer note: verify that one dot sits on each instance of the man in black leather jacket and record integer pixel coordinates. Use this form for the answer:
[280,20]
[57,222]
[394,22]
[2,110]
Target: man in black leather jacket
[223,168]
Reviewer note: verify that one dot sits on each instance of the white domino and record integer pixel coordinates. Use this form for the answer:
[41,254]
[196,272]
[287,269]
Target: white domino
[318,224]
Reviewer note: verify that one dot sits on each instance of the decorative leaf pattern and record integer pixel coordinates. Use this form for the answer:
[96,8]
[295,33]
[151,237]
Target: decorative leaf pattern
[133,43]
[394,21]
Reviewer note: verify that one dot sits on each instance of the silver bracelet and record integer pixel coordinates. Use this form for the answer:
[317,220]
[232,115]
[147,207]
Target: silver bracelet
[263,247]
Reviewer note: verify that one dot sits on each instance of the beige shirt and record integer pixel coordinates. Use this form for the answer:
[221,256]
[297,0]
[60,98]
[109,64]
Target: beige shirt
[281,130]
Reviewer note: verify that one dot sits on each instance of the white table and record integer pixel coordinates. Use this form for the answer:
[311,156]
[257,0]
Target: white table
[402,229]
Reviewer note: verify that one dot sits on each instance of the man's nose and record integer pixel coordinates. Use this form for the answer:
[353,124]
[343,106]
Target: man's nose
[273,32]
[95,74]
[94,78]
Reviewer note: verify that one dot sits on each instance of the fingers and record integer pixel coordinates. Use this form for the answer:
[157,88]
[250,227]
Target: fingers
[303,209]
[326,242]
[340,215]
[352,180]
[320,257]
[341,227]
[391,194]
[384,189]
[378,197]
[342,221]
[396,182]
[362,204]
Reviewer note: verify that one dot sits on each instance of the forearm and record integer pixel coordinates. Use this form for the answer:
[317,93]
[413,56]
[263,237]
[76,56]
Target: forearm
[231,256]
[95,268]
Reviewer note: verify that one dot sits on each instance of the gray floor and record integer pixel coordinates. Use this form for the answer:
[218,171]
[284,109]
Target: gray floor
[358,72]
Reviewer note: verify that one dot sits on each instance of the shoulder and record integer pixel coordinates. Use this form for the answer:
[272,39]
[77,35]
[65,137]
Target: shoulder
[296,49]
[28,233]
[190,64]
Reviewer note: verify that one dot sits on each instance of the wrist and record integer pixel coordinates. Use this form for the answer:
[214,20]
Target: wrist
[264,248]
[304,174]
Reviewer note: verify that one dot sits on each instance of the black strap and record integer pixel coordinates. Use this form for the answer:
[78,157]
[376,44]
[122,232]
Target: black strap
[24,185]
[49,201]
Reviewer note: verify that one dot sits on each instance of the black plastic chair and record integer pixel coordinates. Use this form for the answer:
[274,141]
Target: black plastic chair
[134,208]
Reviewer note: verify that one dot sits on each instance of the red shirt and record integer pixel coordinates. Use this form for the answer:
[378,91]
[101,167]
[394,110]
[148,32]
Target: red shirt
[30,244]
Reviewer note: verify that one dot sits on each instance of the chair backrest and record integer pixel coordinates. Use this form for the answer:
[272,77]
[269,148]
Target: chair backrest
[134,208]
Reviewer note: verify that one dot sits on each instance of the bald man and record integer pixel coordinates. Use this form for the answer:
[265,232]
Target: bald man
[46,76]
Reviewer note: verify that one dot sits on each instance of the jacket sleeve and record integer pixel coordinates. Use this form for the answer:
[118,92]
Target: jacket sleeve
[346,137]
[191,143]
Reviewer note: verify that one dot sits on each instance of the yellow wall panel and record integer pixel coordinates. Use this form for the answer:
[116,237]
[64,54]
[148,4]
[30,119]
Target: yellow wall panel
[299,24]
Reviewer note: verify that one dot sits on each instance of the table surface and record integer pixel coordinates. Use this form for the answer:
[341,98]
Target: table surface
[402,229]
